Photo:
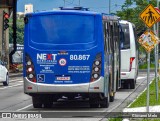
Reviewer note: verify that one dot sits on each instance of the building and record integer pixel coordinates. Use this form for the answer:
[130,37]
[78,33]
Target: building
[28,8]
[20,15]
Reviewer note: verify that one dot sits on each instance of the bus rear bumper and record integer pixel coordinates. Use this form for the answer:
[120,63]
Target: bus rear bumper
[128,75]
[93,87]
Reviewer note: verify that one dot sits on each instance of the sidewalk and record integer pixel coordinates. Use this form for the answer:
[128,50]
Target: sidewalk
[143,109]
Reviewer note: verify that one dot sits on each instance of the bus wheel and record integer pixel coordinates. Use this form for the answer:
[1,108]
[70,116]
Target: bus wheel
[105,101]
[48,102]
[94,100]
[94,105]
[126,85]
[132,84]
[37,103]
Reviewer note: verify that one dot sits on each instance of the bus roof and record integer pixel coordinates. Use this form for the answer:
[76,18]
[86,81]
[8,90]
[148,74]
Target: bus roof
[62,12]
[110,17]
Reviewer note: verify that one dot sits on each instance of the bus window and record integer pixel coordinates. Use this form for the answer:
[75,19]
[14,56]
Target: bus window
[109,37]
[125,36]
[60,29]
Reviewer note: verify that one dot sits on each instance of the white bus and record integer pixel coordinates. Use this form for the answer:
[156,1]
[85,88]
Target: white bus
[129,54]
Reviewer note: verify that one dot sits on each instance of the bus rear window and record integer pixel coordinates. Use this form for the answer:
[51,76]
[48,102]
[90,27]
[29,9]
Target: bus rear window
[125,36]
[62,29]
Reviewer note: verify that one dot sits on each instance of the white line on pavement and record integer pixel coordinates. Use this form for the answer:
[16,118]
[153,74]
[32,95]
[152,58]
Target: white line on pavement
[15,80]
[24,107]
[10,86]
[141,77]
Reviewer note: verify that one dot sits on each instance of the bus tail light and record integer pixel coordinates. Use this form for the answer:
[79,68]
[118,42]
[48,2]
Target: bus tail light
[30,69]
[96,68]
[131,61]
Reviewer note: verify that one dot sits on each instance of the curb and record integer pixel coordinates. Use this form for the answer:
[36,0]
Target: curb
[145,70]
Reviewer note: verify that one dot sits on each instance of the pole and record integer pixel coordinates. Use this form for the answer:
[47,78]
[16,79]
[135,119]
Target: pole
[109,6]
[157,54]
[3,38]
[148,71]
[14,31]
[156,63]
[64,3]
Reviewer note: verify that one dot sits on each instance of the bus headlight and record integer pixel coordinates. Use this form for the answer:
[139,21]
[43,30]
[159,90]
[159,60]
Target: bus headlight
[96,69]
[95,76]
[29,63]
[97,63]
[30,76]
[30,71]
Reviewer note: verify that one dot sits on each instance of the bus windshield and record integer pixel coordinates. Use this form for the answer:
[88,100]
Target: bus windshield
[62,29]
[125,36]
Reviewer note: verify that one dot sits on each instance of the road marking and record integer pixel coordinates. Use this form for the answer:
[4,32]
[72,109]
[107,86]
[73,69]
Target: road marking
[25,107]
[141,77]
[10,86]
[15,80]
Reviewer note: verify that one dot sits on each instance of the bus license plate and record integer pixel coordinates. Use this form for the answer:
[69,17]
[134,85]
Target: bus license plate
[63,78]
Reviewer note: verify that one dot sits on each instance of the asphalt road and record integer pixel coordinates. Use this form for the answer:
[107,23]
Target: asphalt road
[12,98]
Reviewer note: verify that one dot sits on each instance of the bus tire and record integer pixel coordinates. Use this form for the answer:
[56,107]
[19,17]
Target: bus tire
[48,102]
[94,100]
[105,103]
[37,103]
[132,84]
[94,105]
[48,105]
[126,85]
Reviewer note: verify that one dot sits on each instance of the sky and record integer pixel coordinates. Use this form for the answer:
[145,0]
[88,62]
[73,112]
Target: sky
[95,5]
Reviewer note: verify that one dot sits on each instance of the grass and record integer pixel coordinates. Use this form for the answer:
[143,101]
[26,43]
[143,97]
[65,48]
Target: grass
[115,119]
[144,66]
[141,101]
[158,119]
[146,119]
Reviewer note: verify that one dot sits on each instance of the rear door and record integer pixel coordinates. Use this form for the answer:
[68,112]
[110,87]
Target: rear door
[125,47]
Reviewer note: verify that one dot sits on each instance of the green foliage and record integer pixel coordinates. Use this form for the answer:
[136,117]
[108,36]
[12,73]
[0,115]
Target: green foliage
[115,119]
[144,66]
[20,32]
[132,14]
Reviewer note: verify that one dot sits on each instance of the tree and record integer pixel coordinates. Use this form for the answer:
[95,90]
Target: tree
[20,32]
[132,14]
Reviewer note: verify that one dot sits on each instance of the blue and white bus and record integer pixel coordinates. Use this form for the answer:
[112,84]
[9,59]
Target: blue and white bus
[71,53]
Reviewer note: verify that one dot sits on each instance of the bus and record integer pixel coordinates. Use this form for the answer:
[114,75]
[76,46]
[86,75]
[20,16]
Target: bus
[72,54]
[129,54]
